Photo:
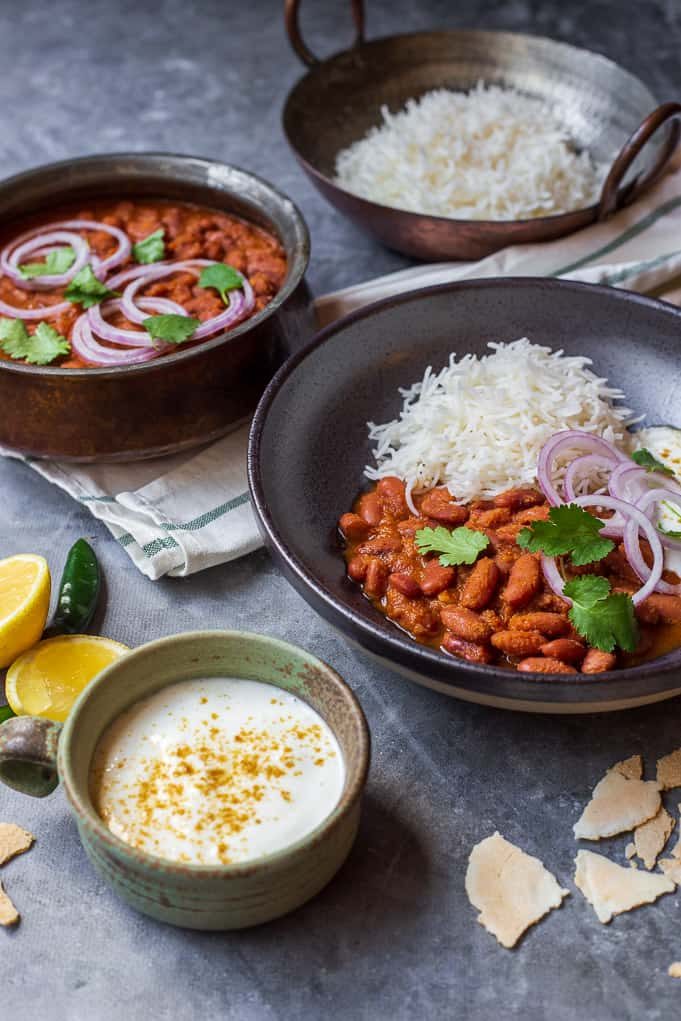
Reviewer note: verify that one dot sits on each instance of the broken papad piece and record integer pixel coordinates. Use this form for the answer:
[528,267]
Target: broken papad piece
[13,841]
[631,768]
[630,851]
[651,836]
[8,913]
[511,889]
[669,770]
[612,889]
[674,970]
[617,805]
[672,869]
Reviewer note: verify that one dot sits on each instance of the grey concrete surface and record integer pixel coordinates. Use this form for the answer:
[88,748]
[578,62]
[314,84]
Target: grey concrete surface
[393,936]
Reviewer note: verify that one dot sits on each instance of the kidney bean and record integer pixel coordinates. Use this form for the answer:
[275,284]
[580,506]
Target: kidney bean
[538,665]
[414,615]
[523,582]
[410,526]
[492,518]
[530,514]
[470,651]
[436,578]
[519,643]
[596,661]
[405,584]
[552,624]
[668,608]
[369,508]
[386,543]
[391,495]
[353,527]
[480,585]
[509,532]
[357,568]
[375,579]
[466,624]
[550,601]
[506,558]
[517,498]
[438,504]
[565,649]
[616,562]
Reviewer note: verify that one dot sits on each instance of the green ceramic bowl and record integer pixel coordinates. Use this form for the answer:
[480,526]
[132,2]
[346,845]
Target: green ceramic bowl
[33,752]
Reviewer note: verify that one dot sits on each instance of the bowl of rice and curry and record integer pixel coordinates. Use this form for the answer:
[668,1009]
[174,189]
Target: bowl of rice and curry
[480,484]
[145,301]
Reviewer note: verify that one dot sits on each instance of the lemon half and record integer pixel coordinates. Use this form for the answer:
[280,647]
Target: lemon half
[48,679]
[24,603]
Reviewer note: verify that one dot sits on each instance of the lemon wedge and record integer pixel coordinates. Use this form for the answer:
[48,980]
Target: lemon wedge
[48,679]
[24,602]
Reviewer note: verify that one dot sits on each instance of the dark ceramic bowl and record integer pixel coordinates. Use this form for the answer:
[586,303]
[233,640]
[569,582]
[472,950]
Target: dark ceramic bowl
[180,400]
[309,446]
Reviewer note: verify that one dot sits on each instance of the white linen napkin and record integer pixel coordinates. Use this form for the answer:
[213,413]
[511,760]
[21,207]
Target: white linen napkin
[178,515]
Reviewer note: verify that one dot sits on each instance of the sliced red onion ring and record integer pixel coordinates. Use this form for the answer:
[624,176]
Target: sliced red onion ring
[8,260]
[129,338]
[44,312]
[581,466]
[39,245]
[241,301]
[93,353]
[570,439]
[636,521]
[648,500]
[553,576]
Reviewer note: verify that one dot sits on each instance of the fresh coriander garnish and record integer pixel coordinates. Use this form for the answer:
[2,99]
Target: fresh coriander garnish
[173,329]
[460,546]
[570,529]
[605,618]
[150,249]
[86,290]
[222,278]
[56,262]
[672,533]
[644,459]
[39,348]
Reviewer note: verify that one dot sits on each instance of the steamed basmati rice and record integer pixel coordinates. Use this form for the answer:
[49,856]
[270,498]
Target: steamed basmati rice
[490,154]
[478,425]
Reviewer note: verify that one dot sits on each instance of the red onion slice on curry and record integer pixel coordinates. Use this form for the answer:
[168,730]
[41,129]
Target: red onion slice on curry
[518,520]
[122,283]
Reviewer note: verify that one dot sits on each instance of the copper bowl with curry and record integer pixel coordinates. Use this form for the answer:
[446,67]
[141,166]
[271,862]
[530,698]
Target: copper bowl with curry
[146,299]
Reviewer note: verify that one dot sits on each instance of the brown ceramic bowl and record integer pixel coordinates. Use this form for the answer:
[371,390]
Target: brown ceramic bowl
[608,111]
[180,400]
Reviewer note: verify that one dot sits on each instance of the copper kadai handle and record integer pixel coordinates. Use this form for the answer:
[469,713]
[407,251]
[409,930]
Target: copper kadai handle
[298,43]
[612,198]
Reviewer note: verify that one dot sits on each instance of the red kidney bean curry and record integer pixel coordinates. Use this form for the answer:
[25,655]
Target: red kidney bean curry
[498,610]
[151,235]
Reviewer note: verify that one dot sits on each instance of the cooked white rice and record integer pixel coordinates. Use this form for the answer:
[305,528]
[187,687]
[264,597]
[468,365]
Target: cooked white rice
[489,154]
[478,425]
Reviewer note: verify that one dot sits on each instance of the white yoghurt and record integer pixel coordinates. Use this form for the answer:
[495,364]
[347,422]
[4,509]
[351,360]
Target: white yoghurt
[216,771]
[664,443]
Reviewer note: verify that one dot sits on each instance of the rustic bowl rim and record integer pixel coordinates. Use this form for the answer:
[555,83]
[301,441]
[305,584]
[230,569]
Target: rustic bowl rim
[297,263]
[395,645]
[556,44]
[353,786]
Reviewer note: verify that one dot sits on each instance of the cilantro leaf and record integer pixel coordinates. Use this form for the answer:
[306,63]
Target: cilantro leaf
[39,348]
[151,248]
[173,329]
[605,618]
[677,514]
[460,546]
[646,460]
[86,290]
[570,529]
[55,262]
[222,278]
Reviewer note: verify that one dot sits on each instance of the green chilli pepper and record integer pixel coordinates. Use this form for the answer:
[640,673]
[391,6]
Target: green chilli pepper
[78,592]
[6,713]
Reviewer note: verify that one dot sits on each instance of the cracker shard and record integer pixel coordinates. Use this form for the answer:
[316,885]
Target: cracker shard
[672,869]
[674,970]
[651,836]
[511,889]
[8,913]
[669,770]
[13,840]
[631,768]
[617,805]
[612,889]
